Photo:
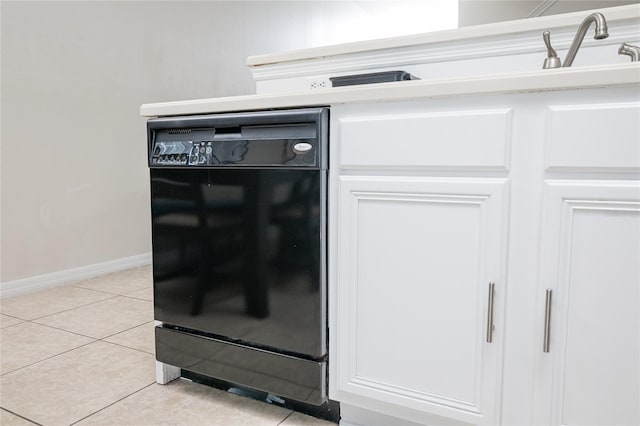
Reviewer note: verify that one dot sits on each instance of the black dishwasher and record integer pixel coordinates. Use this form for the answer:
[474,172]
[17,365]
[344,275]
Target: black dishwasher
[238,206]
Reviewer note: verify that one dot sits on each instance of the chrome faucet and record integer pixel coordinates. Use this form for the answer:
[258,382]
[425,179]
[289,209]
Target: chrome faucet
[552,60]
[630,50]
[601,33]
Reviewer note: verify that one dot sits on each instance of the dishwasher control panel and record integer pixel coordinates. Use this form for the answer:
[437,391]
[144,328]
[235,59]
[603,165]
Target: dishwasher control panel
[181,153]
[225,152]
[260,139]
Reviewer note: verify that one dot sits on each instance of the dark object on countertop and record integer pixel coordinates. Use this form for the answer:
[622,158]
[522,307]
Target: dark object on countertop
[376,77]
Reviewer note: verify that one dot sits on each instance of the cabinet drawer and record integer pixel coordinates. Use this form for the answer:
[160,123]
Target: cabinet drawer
[459,139]
[594,136]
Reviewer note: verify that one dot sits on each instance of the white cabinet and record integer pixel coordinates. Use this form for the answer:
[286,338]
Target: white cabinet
[430,201]
[590,265]
[416,257]
[588,296]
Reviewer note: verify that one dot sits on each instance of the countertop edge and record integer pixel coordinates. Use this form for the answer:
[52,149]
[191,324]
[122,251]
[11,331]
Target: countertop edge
[538,81]
[472,32]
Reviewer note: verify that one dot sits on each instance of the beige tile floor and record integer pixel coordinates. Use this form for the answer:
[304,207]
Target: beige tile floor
[84,354]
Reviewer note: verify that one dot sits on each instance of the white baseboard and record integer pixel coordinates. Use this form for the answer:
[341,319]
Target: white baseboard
[68,276]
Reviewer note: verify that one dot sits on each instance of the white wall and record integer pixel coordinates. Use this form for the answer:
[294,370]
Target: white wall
[567,6]
[477,12]
[74,177]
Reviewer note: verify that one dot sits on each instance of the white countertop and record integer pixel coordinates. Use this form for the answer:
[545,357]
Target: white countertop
[536,81]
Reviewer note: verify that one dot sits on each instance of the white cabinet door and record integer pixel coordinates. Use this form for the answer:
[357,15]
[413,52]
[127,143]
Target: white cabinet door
[415,260]
[591,262]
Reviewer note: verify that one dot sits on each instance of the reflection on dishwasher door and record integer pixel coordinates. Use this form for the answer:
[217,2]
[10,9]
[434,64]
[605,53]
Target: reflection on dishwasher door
[241,258]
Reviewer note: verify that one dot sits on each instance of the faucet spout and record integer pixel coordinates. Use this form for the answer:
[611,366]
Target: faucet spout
[601,32]
[630,50]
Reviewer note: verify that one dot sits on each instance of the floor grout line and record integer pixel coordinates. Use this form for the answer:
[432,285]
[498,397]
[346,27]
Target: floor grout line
[128,347]
[22,417]
[114,402]
[130,328]
[86,335]
[12,316]
[285,419]
[13,325]
[62,329]
[71,309]
[136,298]
[50,357]
[83,306]
[113,295]
[93,289]
[108,292]
[67,285]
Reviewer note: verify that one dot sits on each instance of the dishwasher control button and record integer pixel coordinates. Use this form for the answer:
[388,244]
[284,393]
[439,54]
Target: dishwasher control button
[302,147]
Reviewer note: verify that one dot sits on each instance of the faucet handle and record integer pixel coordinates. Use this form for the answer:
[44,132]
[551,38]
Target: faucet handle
[552,60]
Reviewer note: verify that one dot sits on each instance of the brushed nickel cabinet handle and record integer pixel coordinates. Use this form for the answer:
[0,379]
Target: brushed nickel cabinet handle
[547,320]
[490,313]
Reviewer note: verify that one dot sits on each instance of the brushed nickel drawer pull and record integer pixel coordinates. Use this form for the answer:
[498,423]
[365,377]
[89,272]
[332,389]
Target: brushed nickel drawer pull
[490,313]
[547,321]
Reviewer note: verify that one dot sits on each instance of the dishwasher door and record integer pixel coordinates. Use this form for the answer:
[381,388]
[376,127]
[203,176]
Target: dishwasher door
[240,254]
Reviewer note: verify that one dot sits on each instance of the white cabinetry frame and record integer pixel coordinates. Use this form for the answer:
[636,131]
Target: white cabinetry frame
[433,200]
[591,263]
[416,257]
